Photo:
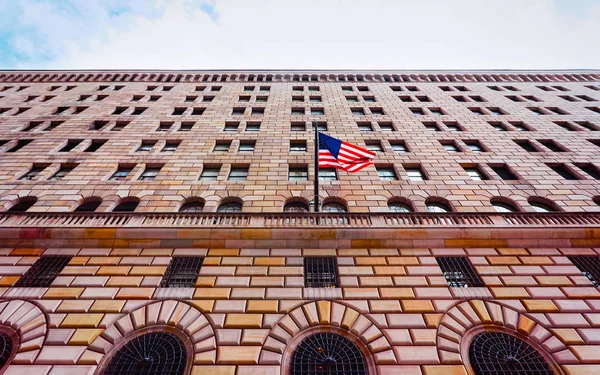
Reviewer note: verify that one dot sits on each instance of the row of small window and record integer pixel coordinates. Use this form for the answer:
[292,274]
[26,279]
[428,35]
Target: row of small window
[319,272]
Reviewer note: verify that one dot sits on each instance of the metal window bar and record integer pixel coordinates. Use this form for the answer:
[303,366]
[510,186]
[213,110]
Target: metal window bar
[498,353]
[320,272]
[459,272]
[6,348]
[329,354]
[44,271]
[589,266]
[153,353]
[182,272]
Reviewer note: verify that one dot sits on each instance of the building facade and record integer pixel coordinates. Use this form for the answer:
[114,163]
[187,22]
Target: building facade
[163,223]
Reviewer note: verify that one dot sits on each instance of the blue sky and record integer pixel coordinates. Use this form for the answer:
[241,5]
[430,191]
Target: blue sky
[287,34]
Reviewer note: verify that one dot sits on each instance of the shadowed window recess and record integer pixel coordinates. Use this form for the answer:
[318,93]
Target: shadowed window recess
[328,353]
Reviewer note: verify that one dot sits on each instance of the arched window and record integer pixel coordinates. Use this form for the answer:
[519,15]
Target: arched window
[295,206]
[542,204]
[334,207]
[328,353]
[502,205]
[6,348]
[23,204]
[399,207]
[192,206]
[89,206]
[127,206]
[149,354]
[230,207]
[498,353]
[437,207]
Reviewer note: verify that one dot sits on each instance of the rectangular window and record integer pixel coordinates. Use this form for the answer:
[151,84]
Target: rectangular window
[537,110]
[182,272]
[352,99]
[374,146]
[458,272]
[258,111]
[247,146]
[364,126]
[552,145]
[450,146]
[504,172]
[327,174]
[475,146]
[238,111]
[20,144]
[248,88]
[98,124]
[589,266]
[417,111]
[406,98]
[322,126]
[191,98]
[120,125]
[298,173]
[207,99]
[210,173]
[121,174]
[590,169]
[317,111]
[252,126]
[399,146]
[146,146]
[149,173]
[71,144]
[43,272]
[320,272]
[415,173]
[564,171]
[526,145]
[186,126]
[436,111]
[298,145]
[498,126]
[315,99]
[222,146]
[244,98]
[198,111]
[117,111]
[238,174]
[95,145]
[386,173]
[298,126]
[477,111]
[432,126]
[588,125]
[453,126]
[76,111]
[520,126]
[33,172]
[262,99]
[298,111]
[377,111]
[64,170]
[170,146]
[357,111]
[138,111]
[475,173]
[386,126]
[297,98]
[164,126]
[231,126]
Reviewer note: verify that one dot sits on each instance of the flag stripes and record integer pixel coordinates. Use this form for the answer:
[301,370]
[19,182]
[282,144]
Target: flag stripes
[343,155]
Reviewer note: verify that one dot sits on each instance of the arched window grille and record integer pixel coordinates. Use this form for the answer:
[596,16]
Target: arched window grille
[503,207]
[437,207]
[498,353]
[399,207]
[230,207]
[191,207]
[6,347]
[334,207]
[126,206]
[155,353]
[89,206]
[295,207]
[328,353]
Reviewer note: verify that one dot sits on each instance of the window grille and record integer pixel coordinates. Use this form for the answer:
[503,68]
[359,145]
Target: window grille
[459,272]
[320,272]
[182,272]
[192,207]
[153,353]
[44,271]
[6,348]
[328,353]
[498,353]
[230,207]
[590,266]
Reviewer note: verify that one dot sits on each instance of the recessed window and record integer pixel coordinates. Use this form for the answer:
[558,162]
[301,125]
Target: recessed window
[552,145]
[477,111]
[149,173]
[231,126]
[297,98]
[399,146]
[138,111]
[374,146]
[119,125]
[95,145]
[258,111]
[453,126]
[377,111]
[253,126]
[327,174]
[477,98]
[317,350]
[262,99]
[295,207]
[475,173]
[182,272]
[450,146]
[313,88]
[146,146]
[265,88]
[541,207]
[364,126]
[193,206]
[588,125]
[321,126]
[417,111]
[71,144]
[320,272]
[564,171]
[248,88]
[97,125]
[399,207]
[436,111]
[589,266]
[89,206]
[526,145]
[186,126]
[504,172]
[459,98]
[475,146]
[590,169]
[43,272]
[394,88]
[77,110]
[415,174]
[238,174]
[458,272]
[503,207]
[33,172]
[315,99]
[386,126]
[298,145]
[210,173]
[436,207]
[298,173]
[412,88]
[20,144]
[117,111]
[62,172]
[298,126]
[207,99]
[432,126]
[200,88]
[128,205]
[238,111]
[298,111]
[164,126]
[357,111]
[498,126]
[520,126]
[424,99]
[198,111]
[121,174]
[247,146]
[170,146]
[230,207]
[190,98]
[537,110]
[386,173]
[222,146]
[215,88]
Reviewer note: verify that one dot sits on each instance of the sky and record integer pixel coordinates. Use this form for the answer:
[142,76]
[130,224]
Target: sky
[306,34]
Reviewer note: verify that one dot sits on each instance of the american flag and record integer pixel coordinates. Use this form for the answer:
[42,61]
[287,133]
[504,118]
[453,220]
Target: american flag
[334,153]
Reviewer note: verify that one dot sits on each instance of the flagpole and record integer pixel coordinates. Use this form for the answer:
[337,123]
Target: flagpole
[316,198]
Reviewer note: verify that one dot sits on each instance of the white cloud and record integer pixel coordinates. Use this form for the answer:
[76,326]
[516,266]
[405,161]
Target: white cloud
[326,34]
